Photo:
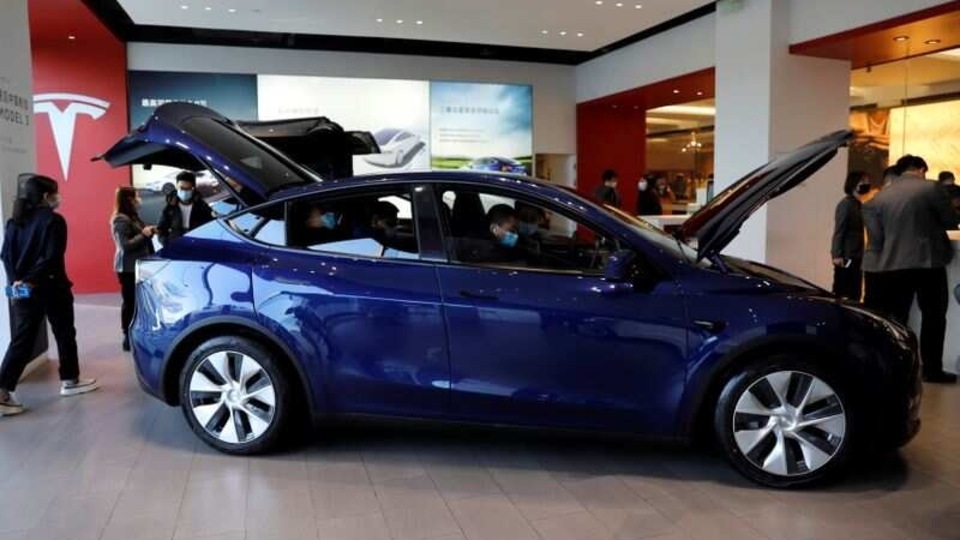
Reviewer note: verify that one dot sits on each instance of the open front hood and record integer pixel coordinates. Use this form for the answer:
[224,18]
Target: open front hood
[719,222]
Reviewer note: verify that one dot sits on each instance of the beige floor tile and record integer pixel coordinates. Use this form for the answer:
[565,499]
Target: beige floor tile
[578,526]
[491,517]
[362,527]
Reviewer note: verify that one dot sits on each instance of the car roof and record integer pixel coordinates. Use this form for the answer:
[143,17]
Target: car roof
[477,178]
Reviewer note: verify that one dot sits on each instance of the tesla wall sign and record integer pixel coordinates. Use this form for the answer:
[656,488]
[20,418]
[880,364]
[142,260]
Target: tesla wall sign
[62,110]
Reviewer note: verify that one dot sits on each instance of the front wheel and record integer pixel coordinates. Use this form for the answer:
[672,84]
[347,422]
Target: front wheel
[235,396]
[786,423]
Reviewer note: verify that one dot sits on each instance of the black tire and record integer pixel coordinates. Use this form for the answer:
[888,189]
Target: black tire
[280,414]
[798,473]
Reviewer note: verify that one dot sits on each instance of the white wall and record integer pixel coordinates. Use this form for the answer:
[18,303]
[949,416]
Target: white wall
[17,147]
[811,19]
[554,99]
[683,50]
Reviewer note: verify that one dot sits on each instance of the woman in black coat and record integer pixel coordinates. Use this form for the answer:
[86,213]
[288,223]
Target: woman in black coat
[648,203]
[34,251]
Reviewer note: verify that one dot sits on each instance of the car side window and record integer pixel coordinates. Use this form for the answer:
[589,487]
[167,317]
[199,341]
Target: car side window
[497,229]
[374,224]
[265,225]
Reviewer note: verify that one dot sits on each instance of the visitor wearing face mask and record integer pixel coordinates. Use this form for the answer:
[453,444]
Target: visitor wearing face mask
[848,238]
[34,247]
[648,203]
[607,192]
[185,210]
[133,240]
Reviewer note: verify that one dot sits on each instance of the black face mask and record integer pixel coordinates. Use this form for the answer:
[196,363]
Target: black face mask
[863,189]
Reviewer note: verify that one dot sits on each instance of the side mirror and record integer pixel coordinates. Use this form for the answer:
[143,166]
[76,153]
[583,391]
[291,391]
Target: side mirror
[619,266]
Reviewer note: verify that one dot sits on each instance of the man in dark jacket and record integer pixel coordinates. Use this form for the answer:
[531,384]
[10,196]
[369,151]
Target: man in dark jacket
[185,210]
[607,192]
[908,251]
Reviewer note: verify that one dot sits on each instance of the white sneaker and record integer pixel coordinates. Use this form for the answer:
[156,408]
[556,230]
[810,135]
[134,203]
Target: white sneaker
[77,387]
[9,406]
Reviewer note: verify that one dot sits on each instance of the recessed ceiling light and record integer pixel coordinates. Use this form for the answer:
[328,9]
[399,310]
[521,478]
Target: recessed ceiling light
[676,91]
[232,10]
[619,4]
[932,42]
[544,32]
[380,20]
[599,2]
[184,6]
[208,8]
[419,22]
[699,93]
[902,38]
[71,37]
[563,32]
[399,21]
[638,6]
[579,34]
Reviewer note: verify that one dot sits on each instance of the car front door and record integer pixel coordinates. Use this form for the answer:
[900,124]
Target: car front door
[362,301]
[545,340]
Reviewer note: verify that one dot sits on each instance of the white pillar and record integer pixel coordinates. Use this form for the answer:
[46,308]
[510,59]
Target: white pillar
[16,121]
[769,102]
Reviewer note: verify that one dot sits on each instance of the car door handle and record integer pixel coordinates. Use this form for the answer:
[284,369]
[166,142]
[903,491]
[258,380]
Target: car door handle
[478,296]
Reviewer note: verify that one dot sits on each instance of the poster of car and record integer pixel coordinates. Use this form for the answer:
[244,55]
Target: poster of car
[486,127]
[397,112]
[233,95]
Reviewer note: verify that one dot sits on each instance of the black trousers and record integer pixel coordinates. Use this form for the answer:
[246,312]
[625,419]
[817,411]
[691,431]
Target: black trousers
[128,289]
[893,293]
[848,282]
[56,304]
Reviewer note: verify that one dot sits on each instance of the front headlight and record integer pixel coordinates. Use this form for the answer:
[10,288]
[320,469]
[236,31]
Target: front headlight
[901,332]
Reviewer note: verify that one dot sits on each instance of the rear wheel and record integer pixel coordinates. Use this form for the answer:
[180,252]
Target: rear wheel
[786,423]
[235,396]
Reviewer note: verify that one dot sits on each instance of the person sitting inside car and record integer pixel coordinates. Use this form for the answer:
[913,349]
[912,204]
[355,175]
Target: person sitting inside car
[502,245]
[323,225]
[384,228]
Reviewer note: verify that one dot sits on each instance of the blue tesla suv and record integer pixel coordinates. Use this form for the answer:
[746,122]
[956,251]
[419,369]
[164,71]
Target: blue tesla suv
[498,299]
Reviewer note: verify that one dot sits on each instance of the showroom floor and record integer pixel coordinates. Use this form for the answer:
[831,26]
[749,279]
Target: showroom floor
[119,465]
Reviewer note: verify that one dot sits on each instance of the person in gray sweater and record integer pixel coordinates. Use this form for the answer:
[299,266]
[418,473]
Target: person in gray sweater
[907,254]
[133,240]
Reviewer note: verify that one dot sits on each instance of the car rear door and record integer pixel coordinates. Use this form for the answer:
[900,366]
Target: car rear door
[366,310]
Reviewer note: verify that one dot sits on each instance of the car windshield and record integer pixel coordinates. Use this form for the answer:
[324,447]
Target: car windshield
[252,157]
[385,135]
[658,237]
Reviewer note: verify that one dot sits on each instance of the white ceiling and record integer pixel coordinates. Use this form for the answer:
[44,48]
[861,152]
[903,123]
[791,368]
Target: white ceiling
[494,22]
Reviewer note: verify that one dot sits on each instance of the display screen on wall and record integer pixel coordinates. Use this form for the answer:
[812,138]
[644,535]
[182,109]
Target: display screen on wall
[419,125]
[395,111]
[233,95]
[481,126]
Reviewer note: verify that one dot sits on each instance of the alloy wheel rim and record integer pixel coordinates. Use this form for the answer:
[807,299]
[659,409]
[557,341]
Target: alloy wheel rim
[232,397]
[789,423]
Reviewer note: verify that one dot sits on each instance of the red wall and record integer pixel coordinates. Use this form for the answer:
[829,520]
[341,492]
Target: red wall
[94,64]
[611,138]
[612,131]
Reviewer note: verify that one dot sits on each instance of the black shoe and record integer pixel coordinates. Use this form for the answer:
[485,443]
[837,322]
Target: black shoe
[126,344]
[940,378]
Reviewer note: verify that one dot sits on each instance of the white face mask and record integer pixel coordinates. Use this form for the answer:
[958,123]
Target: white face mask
[642,186]
[54,201]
